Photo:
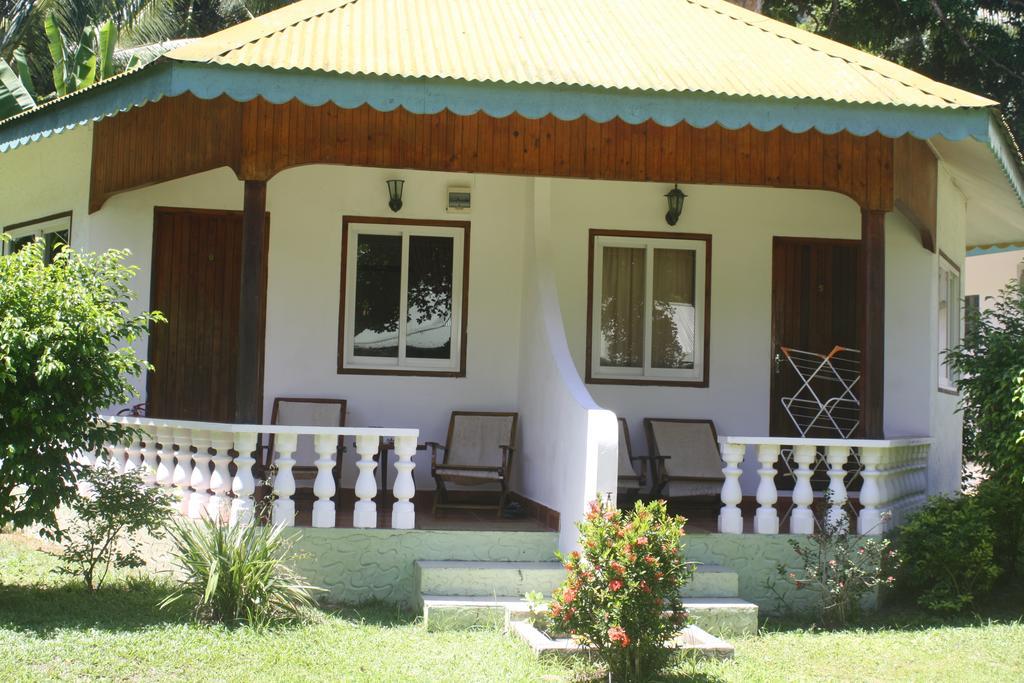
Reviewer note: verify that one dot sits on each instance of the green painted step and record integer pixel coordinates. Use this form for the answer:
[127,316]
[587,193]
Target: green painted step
[719,616]
[723,616]
[489,579]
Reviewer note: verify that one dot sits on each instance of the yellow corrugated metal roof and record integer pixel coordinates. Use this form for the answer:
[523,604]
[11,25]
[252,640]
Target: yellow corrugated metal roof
[708,46]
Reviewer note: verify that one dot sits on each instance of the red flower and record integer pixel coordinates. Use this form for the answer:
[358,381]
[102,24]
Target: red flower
[644,587]
[569,595]
[617,567]
[650,559]
[642,540]
[617,634]
[555,609]
[609,516]
[575,554]
[614,585]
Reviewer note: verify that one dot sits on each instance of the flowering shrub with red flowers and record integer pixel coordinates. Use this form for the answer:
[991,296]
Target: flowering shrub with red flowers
[621,595]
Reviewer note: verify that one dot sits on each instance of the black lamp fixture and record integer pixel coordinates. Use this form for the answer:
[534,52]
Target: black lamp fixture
[395,194]
[675,204]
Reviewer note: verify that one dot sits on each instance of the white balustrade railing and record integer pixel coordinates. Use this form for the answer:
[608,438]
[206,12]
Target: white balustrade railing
[193,460]
[894,473]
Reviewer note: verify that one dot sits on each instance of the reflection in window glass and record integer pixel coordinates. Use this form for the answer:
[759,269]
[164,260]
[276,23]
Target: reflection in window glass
[377,295]
[622,307]
[429,314]
[673,323]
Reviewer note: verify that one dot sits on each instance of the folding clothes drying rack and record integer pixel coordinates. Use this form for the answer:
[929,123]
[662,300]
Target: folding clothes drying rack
[826,399]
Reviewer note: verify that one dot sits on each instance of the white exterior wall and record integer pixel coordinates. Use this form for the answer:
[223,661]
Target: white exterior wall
[947,424]
[985,275]
[307,204]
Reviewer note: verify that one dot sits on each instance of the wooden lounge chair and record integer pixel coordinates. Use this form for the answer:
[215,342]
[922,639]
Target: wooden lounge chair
[306,412]
[685,458]
[478,452]
[632,469]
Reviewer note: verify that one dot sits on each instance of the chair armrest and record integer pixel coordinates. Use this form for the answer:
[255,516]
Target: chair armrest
[506,458]
[473,468]
[434,448]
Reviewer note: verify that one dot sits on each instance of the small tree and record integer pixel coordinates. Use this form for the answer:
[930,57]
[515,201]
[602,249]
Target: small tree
[622,593]
[65,354]
[990,366]
[109,512]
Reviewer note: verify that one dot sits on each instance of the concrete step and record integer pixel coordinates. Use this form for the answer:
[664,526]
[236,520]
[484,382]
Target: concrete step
[489,579]
[719,616]
[486,579]
[712,581]
[457,612]
[723,616]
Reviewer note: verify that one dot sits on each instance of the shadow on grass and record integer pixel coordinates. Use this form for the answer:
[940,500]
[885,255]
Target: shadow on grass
[900,613]
[373,613]
[125,605]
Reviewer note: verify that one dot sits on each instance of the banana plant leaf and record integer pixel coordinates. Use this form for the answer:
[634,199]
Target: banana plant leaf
[106,41]
[55,43]
[21,64]
[14,98]
[84,62]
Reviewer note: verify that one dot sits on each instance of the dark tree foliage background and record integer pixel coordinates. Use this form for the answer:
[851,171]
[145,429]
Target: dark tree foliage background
[977,46]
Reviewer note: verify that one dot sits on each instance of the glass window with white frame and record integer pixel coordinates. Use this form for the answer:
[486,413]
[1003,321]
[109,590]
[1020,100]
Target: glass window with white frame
[950,320]
[403,298]
[648,318]
[54,231]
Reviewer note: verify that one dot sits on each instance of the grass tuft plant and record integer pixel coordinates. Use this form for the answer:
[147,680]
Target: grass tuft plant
[237,574]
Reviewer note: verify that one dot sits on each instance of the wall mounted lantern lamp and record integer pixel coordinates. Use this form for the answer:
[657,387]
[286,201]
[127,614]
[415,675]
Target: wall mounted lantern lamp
[675,204]
[395,194]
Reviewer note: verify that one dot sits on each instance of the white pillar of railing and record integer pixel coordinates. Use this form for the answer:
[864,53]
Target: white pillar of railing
[243,485]
[365,514]
[165,455]
[801,520]
[326,446]
[766,520]
[148,454]
[730,519]
[220,480]
[836,517]
[870,518]
[403,514]
[181,478]
[200,497]
[284,480]
[115,456]
[133,456]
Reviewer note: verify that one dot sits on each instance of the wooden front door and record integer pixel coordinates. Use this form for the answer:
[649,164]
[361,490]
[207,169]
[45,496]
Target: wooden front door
[197,260]
[814,308]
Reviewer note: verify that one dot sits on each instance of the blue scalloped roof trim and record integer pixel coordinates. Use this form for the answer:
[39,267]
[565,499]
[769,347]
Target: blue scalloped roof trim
[427,96]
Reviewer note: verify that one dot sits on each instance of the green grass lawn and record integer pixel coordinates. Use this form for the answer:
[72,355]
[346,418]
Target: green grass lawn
[51,629]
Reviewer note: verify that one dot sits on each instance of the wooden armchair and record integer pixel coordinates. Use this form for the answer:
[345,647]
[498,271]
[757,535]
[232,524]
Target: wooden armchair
[477,452]
[685,459]
[632,469]
[303,412]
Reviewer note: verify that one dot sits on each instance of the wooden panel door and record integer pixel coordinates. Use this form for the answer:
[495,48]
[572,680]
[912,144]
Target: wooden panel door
[814,308]
[197,257]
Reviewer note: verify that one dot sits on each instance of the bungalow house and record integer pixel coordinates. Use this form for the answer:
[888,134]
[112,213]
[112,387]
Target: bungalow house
[428,206]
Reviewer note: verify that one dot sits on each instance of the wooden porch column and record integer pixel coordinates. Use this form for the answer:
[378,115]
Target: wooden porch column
[250,309]
[871,320]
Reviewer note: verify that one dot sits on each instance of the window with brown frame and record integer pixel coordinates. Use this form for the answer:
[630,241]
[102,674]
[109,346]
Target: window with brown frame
[950,316]
[403,297]
[648,300]
[54,231]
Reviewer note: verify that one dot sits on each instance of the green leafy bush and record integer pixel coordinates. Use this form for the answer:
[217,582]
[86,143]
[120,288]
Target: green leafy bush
[108,513]
[990,365]
[236,573]
[841,568]
[65,354]
[621,596]
[948,547]
[1005,503]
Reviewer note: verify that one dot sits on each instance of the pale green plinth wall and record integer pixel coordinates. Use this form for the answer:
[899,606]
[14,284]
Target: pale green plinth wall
[358,565]
[755,558]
